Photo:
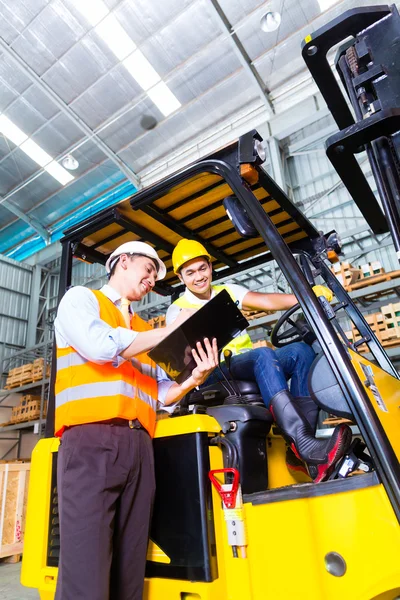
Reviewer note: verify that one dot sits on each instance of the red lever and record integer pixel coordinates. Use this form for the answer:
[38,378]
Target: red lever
[228,497]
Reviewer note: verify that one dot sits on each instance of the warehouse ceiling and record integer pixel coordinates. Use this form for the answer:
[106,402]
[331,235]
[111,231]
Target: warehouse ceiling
[114,88]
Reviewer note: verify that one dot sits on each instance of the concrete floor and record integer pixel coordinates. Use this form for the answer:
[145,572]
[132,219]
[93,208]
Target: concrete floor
[10,587]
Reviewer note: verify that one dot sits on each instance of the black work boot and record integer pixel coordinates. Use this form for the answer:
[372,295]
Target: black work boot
[319,455]
[297,467]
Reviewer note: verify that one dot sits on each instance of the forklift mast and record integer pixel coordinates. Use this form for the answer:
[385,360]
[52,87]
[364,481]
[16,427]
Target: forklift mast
[369,68]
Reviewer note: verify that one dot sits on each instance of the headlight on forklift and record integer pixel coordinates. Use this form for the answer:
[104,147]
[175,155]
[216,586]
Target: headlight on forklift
[259,150]
[333,246]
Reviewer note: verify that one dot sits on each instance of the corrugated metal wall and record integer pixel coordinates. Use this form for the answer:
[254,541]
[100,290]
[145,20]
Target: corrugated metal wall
[15,286]
[92,276]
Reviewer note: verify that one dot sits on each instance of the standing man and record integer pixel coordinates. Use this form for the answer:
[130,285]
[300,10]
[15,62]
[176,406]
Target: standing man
[107,392]
[271,369]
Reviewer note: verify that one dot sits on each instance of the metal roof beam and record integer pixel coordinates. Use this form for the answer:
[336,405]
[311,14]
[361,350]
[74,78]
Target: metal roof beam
[243,57]
[32,222]
[70,113]
[185,232]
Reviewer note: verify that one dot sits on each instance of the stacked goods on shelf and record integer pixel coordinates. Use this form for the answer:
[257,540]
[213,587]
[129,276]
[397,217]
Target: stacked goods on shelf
[391,313]
[262,344]
[372,273]
[157,322]
[19,376]
[26,374]
[371,269]
[385,325]
[346,273]
[14,481]
[256,314]
[28,409]
[38,369]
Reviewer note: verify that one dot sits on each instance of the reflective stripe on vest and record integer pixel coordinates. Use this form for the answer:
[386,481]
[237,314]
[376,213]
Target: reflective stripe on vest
[241,343]
[87,392]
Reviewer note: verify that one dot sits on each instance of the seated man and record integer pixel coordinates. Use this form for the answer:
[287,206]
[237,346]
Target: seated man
[271,369]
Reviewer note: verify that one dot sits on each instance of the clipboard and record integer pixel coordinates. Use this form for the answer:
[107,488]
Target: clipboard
[220,318]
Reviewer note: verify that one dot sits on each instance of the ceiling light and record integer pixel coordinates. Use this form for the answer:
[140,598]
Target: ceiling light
[11,131]
[164,99]
[70,162]
[270,21]
[325,4]
[148,122]
[115,37]
[57,171]
[93,10]
[141,70]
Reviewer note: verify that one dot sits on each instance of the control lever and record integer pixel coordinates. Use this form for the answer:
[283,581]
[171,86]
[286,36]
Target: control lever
[228,362]
[229,385]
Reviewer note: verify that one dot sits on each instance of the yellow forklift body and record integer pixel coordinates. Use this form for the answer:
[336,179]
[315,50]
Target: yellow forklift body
[336,539]
[289,541]
[384,392]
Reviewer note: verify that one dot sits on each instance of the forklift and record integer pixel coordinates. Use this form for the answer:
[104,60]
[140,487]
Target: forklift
[368,65]
[238,525]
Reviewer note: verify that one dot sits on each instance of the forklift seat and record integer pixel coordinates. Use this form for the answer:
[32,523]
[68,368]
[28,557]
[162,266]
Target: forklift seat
[325,390]
[216,393]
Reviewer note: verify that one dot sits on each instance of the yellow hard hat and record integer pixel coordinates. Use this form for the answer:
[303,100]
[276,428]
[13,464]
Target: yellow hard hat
[186,250]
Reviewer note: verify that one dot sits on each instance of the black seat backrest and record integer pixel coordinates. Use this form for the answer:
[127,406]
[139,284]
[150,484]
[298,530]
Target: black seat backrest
[325,390]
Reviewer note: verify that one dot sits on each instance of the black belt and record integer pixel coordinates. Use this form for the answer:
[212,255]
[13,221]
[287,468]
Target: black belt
[133,424]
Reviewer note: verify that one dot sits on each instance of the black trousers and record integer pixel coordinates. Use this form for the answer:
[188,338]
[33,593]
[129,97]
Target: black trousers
[105,488]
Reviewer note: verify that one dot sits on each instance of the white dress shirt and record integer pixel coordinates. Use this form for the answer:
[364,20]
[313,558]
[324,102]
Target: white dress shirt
[78,324]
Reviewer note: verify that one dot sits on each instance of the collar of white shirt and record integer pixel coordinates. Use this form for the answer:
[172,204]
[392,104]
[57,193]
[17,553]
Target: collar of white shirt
[112,295]
[190,297]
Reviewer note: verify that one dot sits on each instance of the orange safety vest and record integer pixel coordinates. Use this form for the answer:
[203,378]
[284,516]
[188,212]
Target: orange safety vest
[87,392]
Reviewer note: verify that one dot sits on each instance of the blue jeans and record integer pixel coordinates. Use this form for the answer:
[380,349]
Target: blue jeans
[272,369]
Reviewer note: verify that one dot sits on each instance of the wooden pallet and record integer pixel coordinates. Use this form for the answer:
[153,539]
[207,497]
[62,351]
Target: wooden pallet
[256,314]
[262,344]
[332,421]
[157,322]
[373,280]
[27,411]
[18,381]
[26,377]
[14,481]
[19,370]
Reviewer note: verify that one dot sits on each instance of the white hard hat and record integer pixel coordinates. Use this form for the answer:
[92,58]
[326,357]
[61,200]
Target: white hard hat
[137,248]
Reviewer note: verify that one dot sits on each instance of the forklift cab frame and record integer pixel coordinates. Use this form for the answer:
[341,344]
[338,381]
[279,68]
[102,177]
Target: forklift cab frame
[190,204]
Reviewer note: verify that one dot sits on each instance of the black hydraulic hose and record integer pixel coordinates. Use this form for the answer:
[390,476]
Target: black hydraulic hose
[233,457]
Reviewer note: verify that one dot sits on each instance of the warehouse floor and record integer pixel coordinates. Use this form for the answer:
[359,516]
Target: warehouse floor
[10,587]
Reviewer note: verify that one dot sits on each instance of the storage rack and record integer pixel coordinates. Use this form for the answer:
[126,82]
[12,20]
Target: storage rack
[16,359]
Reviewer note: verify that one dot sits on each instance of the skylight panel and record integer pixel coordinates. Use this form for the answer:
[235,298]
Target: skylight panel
[115,36]
[164,99]
[33,150]
[141,70]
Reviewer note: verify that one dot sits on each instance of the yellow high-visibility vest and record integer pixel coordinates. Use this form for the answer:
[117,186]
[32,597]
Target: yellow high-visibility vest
[241,343]
[87,392]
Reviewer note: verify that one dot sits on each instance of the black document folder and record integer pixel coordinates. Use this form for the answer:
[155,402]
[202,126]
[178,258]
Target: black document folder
[220,318]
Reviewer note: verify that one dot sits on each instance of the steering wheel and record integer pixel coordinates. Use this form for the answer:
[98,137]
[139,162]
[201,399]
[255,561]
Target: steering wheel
[298,332]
